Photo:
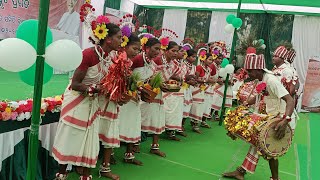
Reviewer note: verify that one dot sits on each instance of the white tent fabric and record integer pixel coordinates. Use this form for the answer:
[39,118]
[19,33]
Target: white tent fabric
[127,6]
[176,20]
[217,24]
[306,41]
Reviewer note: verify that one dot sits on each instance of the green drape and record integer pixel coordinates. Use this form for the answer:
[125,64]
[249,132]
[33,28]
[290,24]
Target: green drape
[114,4]
[150,17]
[6,126]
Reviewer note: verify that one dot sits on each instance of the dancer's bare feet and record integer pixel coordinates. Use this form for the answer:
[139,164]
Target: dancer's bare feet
[196,129]
[182,133]
[110,175]
[157,152]
[205,125]
[133,161]
[105,171]
[174,138]
[234,174]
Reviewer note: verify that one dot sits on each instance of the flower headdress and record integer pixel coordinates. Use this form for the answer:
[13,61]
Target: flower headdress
[167,35]
[127,27]
[218,48]
[186,45]
[202,54]
[97,25]
[146,32]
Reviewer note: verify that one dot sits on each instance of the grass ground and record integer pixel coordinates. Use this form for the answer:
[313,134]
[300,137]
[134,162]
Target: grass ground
[204,156]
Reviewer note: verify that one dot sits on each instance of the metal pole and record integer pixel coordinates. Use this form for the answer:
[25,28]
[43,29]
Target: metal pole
[234,42]
[35,122]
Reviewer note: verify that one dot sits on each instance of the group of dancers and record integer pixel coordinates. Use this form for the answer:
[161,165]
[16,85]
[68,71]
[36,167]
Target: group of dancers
[92,115]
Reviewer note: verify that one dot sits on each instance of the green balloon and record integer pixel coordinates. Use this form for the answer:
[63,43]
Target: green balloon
[230,18]
[237,22]
[261,41]
[224,63]
[28,31]
[28,75]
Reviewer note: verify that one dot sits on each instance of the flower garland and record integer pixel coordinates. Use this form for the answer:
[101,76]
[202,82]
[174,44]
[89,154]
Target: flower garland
[22,110]
[240,122]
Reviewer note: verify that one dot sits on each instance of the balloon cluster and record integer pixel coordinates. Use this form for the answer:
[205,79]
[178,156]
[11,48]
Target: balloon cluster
[259,43]
[19,54]
[226,68]
[233,22]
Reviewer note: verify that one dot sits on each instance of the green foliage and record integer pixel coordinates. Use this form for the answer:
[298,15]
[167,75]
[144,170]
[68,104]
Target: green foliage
[156,81]
[198,23]
[133,80]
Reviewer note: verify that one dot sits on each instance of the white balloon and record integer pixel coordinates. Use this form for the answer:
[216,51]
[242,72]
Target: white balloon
[64,55]
[229,68]
[223,73]
[229,28]
[16,55]
[263,46]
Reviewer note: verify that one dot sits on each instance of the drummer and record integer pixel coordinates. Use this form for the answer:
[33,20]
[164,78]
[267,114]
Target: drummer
[275,91]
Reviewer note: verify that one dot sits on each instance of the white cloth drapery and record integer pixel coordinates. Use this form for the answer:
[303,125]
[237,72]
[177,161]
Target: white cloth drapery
[176,20]
[9,140]
[306,41]
[217,24]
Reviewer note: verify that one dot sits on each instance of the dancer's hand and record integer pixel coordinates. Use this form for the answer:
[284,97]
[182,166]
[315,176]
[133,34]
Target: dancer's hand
[280,128]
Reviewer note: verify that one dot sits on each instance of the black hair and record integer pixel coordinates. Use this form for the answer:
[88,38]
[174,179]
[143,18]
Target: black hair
[113,29]
[171,45]
[180,47]
[191,52]
[133,39]
[151,42]
[208,55]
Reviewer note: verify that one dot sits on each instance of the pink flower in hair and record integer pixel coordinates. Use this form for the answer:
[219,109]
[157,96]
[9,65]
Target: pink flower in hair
[164,42]
[203,53]
[103,19]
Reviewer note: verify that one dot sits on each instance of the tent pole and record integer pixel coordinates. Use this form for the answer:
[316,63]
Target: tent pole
[35,120]
[232,54]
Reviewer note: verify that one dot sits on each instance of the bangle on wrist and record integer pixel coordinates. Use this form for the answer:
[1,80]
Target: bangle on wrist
[287,118]
[90,90]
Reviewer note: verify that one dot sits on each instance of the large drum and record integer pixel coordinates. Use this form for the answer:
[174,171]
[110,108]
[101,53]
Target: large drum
[258,130]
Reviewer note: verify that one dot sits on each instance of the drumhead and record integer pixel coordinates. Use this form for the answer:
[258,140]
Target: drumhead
[269,144]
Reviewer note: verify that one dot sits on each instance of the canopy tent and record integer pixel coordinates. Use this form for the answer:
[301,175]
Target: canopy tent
[306,7]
